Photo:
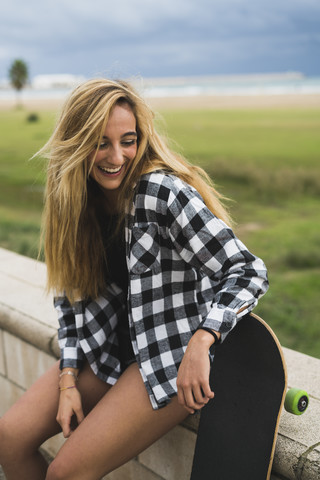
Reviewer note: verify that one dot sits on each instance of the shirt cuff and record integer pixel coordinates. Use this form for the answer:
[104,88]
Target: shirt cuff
[224,319]
[71,357]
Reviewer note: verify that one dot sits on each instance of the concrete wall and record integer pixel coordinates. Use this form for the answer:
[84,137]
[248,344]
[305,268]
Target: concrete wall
[28,346]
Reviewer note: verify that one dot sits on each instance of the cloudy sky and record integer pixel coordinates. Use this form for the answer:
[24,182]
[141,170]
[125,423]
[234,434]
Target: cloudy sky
[161,38]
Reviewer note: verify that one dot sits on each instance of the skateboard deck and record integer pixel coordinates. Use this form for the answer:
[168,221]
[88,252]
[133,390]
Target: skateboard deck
[238,427]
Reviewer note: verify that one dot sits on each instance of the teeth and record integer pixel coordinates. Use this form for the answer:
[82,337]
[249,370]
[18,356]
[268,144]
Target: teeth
[110,170]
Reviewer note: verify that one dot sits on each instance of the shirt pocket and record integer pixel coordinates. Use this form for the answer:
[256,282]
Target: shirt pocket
[145,250]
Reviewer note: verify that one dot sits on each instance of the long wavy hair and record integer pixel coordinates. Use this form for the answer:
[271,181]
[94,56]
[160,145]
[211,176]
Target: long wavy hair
[73,246]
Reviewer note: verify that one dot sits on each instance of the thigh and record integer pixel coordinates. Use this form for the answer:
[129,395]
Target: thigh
[32,419]
[121,425]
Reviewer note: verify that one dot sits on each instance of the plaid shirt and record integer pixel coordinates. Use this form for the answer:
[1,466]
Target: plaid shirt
[186,269]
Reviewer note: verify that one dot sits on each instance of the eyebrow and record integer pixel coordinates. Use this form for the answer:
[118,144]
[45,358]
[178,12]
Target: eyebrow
[127,134]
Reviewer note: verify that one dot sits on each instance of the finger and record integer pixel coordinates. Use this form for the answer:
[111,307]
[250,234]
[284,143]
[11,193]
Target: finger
[199,396]
[180,395]
[190,400]
[182,400]
[66,429]
[79,414]
[189,410]
[206,389]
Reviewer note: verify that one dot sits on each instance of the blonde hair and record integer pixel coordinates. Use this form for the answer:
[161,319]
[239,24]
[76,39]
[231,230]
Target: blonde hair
[73,246]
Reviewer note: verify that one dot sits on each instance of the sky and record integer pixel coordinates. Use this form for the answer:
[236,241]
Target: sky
[163,38]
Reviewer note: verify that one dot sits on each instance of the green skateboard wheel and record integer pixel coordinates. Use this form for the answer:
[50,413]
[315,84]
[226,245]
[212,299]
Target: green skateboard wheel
[296,401]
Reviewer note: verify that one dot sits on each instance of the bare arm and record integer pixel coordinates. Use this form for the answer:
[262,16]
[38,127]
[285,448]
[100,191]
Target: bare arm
[194,390]
[70,400]
[193,376]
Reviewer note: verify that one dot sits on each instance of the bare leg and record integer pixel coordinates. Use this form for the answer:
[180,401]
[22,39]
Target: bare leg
[32,420]
[121,425]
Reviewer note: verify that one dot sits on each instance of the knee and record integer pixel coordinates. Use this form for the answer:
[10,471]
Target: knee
[54,472]
[58,470]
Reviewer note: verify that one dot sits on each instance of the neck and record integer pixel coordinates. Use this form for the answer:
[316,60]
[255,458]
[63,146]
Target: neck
[111,201]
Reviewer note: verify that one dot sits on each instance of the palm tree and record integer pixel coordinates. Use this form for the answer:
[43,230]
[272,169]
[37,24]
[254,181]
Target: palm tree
[18,75]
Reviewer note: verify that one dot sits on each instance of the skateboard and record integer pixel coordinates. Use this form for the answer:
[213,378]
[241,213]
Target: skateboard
[238,427]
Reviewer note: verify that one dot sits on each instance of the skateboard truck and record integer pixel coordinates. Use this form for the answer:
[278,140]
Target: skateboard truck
[296,401]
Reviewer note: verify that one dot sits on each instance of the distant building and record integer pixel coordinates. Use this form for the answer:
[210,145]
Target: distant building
[4,84]
[42,82]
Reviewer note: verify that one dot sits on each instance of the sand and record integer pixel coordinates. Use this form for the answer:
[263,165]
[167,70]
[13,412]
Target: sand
[237,102]
[197,102]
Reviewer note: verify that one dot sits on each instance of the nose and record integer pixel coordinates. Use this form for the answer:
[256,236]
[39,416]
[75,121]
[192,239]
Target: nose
[115,155]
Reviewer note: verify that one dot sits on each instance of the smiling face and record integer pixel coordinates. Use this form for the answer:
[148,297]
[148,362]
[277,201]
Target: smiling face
[117,149]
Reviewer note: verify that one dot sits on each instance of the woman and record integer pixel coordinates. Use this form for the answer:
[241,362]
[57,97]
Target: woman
[147,276]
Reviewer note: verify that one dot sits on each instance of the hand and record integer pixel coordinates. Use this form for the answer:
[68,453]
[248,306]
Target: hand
[194,390]
[69,403]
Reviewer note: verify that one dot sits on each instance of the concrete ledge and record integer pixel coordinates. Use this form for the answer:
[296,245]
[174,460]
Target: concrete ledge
[25,310]
[28,347]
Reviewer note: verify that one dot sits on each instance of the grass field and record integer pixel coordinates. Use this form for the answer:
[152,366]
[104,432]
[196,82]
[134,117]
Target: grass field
[266,161]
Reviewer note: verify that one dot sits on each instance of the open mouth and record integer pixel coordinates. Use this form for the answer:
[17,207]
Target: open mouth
[110,171]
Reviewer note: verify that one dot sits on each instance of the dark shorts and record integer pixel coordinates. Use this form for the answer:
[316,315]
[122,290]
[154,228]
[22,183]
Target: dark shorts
[127,356]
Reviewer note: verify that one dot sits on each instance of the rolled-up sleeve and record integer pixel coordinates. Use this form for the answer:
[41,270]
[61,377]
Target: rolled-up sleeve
[71,353]
[205,242]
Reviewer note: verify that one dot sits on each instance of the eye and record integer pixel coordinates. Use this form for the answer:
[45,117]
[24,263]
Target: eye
[128,143]
[102,145]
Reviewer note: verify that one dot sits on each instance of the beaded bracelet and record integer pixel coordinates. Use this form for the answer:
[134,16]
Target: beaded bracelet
[69,372]
[217,340]
[67,388]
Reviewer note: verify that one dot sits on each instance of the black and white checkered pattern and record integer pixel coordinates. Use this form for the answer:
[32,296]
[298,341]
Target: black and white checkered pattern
[186,269]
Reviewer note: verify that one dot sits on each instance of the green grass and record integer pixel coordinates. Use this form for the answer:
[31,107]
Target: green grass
[287,237]
[292,308]
[22,179]
[273,151]
[266,161]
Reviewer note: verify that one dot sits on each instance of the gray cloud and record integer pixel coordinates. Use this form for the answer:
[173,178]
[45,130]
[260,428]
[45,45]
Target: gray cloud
[171,37]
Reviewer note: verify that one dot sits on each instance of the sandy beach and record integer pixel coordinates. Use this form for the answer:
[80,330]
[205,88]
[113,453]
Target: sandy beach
[195,102]
[237,102]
